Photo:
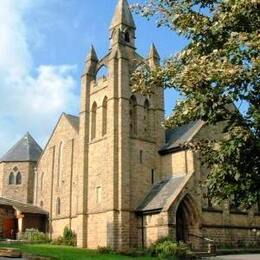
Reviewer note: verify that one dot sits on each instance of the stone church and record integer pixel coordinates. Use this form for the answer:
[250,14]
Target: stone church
[114,175]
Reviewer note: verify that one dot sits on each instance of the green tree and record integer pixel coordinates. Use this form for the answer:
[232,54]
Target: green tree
[218,68]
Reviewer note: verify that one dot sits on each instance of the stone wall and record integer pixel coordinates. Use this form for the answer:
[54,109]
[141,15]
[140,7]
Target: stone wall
[22,192]
[57,177]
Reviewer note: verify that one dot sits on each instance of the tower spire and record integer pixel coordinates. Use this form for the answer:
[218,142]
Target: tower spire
[123,27]
[91,62]
[123,15]
[92,55]
[154,57]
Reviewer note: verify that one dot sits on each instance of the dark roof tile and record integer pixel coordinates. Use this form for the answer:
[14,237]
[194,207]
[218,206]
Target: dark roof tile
[24,208]
[179,136]
[160,193]
[26,149]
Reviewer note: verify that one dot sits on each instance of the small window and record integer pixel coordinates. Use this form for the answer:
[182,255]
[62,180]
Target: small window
[18,178]
[11,180]
[41,204]
[127,37]
[98,194]
[58,207]
[141,156]
[152,176]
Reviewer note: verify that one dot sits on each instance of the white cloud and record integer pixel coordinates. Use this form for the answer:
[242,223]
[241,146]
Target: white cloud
[30,99]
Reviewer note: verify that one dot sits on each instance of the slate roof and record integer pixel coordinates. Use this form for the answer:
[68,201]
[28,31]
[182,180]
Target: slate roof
[160,193]
[179,136]
[74,120]
[26,149]
[24,208]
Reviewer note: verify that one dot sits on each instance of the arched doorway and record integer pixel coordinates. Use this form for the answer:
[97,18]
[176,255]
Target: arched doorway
[187,220]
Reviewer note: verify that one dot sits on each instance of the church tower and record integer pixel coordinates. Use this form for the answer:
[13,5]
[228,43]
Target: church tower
[118,153]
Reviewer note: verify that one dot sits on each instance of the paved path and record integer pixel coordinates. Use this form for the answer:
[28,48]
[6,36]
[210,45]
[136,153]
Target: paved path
[238,257]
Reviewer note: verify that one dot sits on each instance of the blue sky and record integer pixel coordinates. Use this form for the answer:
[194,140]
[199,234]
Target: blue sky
[43,45]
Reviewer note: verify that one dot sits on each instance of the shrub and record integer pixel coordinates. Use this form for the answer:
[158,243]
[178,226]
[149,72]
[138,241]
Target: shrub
[34,235]
[104,250]
[58,241]
[166,247]
[69,238]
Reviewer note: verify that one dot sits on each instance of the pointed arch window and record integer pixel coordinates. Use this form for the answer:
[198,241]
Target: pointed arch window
[146,117]
[133,115]
[58,206]
[104,117]
[18,178]
[11,180]
[93,121]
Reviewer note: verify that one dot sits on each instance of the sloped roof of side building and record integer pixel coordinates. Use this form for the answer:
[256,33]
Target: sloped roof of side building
[26,149]
[179,136]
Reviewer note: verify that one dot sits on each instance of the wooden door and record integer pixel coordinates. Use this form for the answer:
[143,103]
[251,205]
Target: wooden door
[9,228]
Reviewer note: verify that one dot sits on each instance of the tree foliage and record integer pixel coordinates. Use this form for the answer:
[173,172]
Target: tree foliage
[217,69]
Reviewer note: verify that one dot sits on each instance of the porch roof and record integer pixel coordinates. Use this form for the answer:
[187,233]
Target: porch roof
[22,207]
[161,193]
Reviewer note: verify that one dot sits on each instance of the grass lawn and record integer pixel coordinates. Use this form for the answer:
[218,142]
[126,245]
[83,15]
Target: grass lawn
[67,253]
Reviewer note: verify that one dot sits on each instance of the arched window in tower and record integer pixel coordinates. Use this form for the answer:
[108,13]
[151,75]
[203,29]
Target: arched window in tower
[18,178]
[11,180]
[60,163]
[102,72]
[58,206]
[133,115]
[146,117]
[104,117]
[93,120]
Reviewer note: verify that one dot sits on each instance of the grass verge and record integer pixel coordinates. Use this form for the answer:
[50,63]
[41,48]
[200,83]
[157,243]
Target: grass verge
[67,253]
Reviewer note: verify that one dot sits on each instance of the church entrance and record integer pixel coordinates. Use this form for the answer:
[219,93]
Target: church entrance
[187,220]
[9,228]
